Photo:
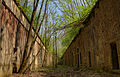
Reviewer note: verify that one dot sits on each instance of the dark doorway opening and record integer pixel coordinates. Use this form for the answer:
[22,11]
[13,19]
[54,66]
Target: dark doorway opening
[75,57]
[72,58]
[78,57]
[114,54]
[89,59]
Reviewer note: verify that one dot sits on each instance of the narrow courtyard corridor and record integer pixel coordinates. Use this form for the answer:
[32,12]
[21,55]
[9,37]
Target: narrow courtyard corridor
[59,38]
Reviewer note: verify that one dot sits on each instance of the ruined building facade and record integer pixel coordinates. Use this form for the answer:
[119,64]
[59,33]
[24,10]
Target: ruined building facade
[97,45]
[13,32]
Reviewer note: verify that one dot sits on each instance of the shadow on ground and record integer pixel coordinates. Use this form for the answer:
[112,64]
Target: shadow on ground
[64,71]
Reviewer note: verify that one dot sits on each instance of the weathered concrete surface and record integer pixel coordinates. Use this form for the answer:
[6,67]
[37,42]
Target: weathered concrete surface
[13,33]
[102,28]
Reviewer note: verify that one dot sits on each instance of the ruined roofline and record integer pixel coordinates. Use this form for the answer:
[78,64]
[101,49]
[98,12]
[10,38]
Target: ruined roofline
[16,14]
[86,22]
[91,14]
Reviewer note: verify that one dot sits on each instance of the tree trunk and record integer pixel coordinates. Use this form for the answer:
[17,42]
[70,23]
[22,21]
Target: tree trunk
[24,63]
[56,50]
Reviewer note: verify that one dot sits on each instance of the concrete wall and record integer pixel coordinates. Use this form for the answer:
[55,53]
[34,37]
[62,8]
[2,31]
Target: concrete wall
[13,32]
[102,28]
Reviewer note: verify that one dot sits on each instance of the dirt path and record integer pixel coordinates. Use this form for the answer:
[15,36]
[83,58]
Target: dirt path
[66,72]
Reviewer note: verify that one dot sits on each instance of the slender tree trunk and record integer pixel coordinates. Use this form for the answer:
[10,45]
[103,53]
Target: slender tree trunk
[81,2]
[84,3]
[40,50]
[37,30]
[88,3]
[53,52]
[24,63]
[56,50]
[25,4]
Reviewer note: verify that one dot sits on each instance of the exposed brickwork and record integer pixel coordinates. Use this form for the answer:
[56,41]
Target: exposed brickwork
[93,42]
[13,33]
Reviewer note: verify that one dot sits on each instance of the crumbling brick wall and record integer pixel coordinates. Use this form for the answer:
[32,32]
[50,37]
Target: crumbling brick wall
[13,32]
[102,29]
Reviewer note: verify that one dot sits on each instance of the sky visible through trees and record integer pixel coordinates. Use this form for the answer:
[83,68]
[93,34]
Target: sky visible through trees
[61,21]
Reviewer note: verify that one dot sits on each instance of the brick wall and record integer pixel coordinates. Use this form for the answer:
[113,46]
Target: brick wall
[99,40]
[13,32]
